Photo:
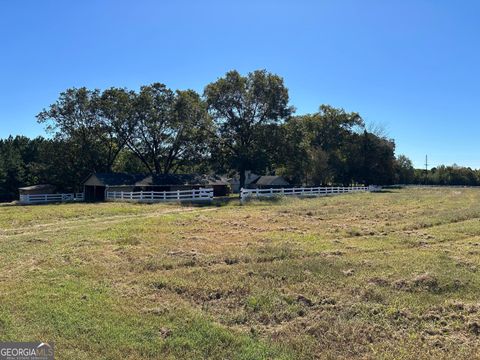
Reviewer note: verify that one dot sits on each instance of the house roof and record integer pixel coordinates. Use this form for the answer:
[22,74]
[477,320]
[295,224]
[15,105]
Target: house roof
[37,187]
[249,179]
[123,179]
[118,179]
[270,180]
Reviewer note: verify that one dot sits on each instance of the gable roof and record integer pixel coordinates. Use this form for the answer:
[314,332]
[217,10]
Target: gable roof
[270,180]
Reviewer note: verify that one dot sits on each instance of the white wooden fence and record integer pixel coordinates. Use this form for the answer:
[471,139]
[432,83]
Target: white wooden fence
[49,198]
[311,191]
[160,196]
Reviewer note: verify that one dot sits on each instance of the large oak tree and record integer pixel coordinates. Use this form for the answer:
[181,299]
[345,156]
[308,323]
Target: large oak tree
[170,129]
[243,107]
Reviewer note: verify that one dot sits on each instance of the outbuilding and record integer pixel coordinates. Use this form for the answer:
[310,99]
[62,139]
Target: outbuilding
[97,184]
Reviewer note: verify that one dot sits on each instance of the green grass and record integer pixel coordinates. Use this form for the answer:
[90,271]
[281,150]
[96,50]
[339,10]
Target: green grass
[391,275]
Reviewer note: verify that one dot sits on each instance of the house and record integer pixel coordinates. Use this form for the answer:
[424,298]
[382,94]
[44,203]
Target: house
[96,185]
[37,189]
[268,182]
[254,181]
[235,180]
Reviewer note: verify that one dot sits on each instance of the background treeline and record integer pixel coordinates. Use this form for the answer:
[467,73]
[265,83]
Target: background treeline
[239,123]
[448,175]
[405,174]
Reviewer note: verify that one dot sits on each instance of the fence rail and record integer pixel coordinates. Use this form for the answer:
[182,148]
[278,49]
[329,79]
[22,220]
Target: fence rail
[310,191]
[48,198]
[160,196]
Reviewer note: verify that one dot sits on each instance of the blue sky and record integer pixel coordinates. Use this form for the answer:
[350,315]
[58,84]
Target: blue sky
[412,66]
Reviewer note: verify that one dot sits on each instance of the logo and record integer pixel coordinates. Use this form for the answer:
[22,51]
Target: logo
[26,351]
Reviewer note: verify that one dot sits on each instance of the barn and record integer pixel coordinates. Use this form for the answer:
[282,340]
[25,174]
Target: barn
[96,185]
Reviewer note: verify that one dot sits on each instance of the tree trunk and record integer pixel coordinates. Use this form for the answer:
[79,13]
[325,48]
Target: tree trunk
[242,176]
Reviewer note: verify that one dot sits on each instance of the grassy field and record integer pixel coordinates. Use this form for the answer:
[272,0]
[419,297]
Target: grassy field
[390,275]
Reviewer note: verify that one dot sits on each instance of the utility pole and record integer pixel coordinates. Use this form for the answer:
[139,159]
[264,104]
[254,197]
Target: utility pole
[426,169]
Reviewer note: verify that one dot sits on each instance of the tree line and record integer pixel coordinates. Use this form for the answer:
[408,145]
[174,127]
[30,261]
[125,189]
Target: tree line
[239,123]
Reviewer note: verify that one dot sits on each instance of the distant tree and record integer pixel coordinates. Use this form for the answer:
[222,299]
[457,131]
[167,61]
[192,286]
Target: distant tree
[190,147]
[450,175]
[170,129]
[3,174]
[335,131]
[242,108]
[296,161]
[320,171]
[59,165]
[404,170]
[376,159]
[318,146]
[20,163]
[334,126]
[115,109]
[76,117]
[153,127]
[128,162]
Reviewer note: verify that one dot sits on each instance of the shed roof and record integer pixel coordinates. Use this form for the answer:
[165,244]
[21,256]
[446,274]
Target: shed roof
[118,179]
[37,187]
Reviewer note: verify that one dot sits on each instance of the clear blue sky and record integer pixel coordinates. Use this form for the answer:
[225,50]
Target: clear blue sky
[413,66]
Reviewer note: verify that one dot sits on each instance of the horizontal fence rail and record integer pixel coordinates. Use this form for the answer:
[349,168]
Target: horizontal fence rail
[49,198]
[310,191]
[159,196]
